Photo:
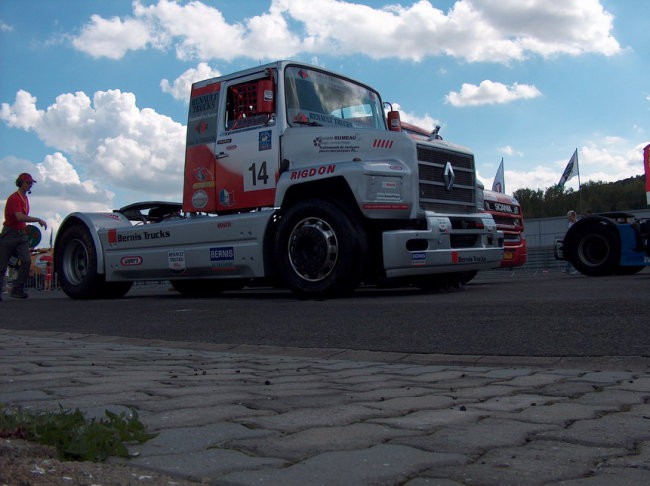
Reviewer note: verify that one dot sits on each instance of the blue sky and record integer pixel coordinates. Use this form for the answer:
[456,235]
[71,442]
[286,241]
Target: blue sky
[93,94]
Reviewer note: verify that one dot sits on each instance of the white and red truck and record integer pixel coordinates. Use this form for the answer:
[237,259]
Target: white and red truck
[294,177]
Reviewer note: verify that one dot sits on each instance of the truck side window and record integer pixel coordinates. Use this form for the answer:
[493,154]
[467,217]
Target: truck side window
[241,107]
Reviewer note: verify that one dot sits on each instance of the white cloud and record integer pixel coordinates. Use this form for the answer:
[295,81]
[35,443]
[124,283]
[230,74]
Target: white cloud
[508,150]
[491,93]
[5,27]
[473,30]
[59,190]
[109,137]
[181,87]
[606,160]
[112,38]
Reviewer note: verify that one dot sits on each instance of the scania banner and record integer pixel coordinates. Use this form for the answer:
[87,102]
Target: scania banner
[646,166]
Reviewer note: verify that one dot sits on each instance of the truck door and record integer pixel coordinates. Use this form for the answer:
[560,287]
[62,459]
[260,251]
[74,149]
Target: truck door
[247,148]
[199,183]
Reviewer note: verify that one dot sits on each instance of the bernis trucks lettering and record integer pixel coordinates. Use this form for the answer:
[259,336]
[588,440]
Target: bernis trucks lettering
[294,177]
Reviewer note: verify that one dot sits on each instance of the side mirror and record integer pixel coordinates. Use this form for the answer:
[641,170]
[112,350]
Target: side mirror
[394,122]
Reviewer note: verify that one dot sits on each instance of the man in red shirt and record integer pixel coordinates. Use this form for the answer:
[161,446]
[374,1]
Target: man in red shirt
[13,239]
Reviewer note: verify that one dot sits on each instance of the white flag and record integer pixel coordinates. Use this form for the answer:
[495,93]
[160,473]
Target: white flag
[571,169]
[499,184]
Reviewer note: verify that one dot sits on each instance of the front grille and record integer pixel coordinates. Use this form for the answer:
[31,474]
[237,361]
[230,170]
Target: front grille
[434,196]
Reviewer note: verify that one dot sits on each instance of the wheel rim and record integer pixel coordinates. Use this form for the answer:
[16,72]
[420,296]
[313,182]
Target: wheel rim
[313,249]
[75,262]
[593,250]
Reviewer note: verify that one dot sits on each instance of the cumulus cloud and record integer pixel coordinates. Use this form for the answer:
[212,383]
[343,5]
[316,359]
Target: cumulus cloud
[60,189]
[181,87]
[491,93]
[5,27]
[508,150]
[473,30]
[109,137]
[607,160]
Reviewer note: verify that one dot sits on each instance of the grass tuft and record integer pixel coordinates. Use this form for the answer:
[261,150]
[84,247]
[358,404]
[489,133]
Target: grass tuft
[73,435]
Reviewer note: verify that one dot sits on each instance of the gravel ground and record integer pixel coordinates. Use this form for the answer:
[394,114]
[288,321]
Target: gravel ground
[25,463]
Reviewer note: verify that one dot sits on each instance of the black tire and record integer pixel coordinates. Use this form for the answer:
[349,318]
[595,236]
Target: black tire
[76,267]
[205,287]
[628,270]
[321,249]
[593,248]
[468,276]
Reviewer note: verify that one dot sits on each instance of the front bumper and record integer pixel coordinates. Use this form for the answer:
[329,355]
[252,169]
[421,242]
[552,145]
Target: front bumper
[441,248]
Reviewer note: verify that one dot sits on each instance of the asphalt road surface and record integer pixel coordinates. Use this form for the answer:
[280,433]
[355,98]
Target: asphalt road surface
[542,314]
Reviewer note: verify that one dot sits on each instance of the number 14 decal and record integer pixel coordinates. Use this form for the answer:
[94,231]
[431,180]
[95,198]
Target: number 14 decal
[258,175]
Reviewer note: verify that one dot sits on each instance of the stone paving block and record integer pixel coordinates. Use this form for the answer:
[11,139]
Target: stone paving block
[606,377]
[536,463]
[532,380]
[559,413]
[636,384]
[422,481]
[300,419]
[506,373]
[611,476]
[620,429]
[381,464]
[481,392]
[179,440]
[475,438]
[411,404]
[9,398]
[571,389]
[311,442]
[391,390]
[188,417]
[429,420]
[510,403]
[610,397]
[640,458]
[205,464]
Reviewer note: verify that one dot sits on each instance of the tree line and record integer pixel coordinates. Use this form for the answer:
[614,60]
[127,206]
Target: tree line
[594,197]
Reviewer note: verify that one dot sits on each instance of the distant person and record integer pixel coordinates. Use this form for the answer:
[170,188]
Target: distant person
[572,217]
[13,239]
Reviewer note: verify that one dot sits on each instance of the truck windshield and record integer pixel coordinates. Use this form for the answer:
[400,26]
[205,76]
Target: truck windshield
[316,98]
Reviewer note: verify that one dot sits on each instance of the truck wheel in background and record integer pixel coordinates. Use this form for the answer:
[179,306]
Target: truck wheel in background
[593,248]
[76,267]
[320,250]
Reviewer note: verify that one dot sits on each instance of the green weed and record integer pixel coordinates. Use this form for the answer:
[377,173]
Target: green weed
[74,436]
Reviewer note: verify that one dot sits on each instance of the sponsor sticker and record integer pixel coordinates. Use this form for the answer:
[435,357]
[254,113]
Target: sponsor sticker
[131,261]
[418,258]
[265,140]
[176,260]
[222,254]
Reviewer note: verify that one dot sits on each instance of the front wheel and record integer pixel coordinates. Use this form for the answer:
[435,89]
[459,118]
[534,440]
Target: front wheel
[76,267]
[594,249]
[321,249]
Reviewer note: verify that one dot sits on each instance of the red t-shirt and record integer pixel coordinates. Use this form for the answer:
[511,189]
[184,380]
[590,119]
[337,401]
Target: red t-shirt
[16,203]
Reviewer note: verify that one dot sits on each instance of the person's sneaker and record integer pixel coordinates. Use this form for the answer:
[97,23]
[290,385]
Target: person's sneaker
[18,294]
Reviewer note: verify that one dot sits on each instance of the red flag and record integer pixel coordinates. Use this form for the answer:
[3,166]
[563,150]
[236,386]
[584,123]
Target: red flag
[646,166]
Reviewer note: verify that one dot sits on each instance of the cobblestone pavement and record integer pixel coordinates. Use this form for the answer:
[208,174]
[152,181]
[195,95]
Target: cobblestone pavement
[249,415]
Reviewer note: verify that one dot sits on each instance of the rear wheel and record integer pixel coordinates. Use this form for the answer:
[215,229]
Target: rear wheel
[76,267]
[321,249]
[594,249]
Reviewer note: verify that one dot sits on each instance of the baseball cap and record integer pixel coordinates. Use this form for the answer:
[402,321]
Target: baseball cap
[25,177]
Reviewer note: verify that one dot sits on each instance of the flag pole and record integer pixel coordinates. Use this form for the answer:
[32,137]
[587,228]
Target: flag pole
[579,185]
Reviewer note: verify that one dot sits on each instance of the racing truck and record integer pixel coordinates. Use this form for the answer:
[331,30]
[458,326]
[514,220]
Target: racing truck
[294,177]
[606,244]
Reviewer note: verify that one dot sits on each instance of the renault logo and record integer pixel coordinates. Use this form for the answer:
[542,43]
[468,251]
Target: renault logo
[449,176]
